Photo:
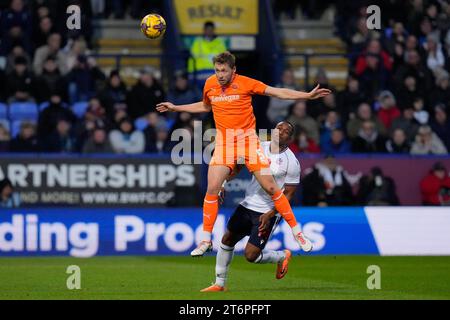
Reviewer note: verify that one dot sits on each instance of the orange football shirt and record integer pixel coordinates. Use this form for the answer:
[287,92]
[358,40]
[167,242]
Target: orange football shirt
[232,105]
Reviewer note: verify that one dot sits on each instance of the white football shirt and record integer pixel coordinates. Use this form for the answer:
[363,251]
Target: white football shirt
[285,169]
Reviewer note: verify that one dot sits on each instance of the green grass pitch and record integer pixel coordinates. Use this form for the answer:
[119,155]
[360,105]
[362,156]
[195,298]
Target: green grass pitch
[166,278]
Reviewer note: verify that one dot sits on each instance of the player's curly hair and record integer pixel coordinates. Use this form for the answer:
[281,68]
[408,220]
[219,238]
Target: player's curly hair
[225,58]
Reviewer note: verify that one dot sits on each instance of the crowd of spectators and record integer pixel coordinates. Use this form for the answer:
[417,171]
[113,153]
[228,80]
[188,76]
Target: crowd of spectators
[396,99]
[397,96]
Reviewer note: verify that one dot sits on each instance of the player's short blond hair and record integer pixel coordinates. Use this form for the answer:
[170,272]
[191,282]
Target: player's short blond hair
[225,58]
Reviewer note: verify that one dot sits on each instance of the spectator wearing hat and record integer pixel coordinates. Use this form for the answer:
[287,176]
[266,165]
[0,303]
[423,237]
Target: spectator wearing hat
[126,139]
[8,198]
[19,82]
[27,140]
[388,111]
[17,51]
[144,95]
[435,186]
[98,142]
[427,142]
[49,117]
[440,124]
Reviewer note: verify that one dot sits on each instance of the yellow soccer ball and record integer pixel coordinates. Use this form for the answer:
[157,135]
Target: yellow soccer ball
[153,26]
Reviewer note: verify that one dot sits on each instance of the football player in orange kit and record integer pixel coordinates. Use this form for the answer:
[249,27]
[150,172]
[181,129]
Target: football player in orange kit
[229,96]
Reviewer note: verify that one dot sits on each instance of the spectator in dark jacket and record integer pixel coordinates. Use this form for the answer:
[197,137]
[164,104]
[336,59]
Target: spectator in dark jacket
[435,187]
[183,93]
[376,189]
[440,124]
[350,98]
[83,79]
[114,96]
[27,140]
[20,79]
[50,81]
[62,140]
[50,115]
[144,96]
[368,140]
[398,142]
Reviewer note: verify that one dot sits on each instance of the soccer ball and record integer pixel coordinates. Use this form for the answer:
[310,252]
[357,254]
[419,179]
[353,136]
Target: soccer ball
[153,26]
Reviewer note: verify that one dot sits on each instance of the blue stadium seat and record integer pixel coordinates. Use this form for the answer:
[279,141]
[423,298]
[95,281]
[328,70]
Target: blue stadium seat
[43,105]
[141,124]
[79,108]
[23,111]
[3,111]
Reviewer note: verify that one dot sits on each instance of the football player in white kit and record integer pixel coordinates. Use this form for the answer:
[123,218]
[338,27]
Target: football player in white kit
[256,216]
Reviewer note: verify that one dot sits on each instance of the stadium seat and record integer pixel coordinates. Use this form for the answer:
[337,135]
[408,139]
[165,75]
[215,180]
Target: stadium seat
[43,105]
[3,111]
[23,111]
[141,124]
[79,108]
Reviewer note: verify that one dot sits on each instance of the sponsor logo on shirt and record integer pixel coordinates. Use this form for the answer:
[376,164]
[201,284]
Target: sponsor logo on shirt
[223,98]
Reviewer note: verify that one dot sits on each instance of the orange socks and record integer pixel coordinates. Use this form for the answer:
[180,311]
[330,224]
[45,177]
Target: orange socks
[210,211]
[284,208]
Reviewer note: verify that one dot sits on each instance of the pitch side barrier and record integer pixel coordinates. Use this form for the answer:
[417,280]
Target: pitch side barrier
[86,233]
[150,181]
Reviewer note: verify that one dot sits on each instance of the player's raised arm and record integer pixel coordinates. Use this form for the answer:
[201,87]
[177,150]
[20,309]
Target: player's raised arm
[289,94]
[197,107]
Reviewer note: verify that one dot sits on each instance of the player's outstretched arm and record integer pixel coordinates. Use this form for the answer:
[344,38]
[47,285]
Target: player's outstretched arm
[289,94]
[197,107]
